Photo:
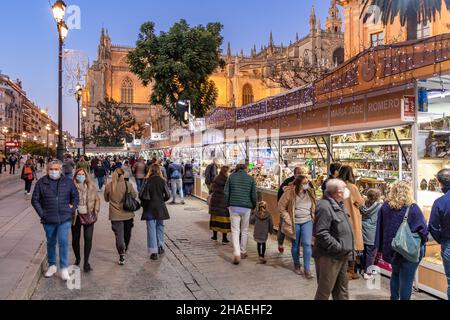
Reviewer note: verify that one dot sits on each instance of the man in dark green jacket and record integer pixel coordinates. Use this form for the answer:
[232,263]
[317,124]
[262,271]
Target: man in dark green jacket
[240,197]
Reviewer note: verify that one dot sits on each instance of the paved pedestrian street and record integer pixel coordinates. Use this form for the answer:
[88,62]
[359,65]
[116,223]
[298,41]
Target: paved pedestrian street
[193,268]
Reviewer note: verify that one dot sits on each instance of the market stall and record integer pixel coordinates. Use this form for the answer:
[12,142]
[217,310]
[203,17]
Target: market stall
[433,155]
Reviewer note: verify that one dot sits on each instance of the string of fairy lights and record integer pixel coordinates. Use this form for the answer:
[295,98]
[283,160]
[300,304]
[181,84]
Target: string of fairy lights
[384,67]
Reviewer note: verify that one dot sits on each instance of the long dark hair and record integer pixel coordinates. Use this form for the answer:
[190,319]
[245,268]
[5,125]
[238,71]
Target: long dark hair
[346,174]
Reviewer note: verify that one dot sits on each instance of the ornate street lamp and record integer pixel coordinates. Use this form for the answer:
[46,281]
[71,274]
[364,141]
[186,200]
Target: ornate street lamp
[78,95]
[59,11]
[48,128]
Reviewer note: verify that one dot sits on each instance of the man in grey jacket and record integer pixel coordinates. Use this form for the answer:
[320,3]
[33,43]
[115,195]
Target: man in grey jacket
[334,243]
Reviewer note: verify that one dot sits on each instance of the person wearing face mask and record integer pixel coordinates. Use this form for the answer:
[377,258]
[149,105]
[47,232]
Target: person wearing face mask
[333,243]
[122,221]
[86,216]
[55,199]
[297,207]
[280,236]
[100,173]
[334,173]
[439,225]
[352,202]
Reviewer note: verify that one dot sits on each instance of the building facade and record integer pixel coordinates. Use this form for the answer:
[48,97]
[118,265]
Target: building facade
[360,36]
[240,82]
[21,119]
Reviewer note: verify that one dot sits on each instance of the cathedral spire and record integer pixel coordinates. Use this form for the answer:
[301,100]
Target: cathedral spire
[312,20]
[229,51]
[271,46]
[296,37]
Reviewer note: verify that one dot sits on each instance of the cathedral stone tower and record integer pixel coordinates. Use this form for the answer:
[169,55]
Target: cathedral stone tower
[334,21]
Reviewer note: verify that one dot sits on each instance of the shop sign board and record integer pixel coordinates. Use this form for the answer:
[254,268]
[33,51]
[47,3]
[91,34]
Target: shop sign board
[78,143]
[353,112]
[409,108]
[315,118]
[12,144]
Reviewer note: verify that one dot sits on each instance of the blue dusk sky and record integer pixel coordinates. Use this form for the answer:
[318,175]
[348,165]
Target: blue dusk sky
[28,49]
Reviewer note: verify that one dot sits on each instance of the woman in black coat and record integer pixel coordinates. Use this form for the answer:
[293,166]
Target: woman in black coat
[188,179]
[220,217]
[154,196]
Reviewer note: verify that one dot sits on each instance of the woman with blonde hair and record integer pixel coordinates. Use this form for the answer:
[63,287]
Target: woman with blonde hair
[154,195]
[400,205]
[86,216]
[122,221]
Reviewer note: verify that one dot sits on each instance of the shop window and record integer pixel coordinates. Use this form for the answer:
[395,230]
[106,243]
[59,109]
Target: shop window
[247,95]
[127,92]
[376,157]
[376,39]
[433,155]
[423,30]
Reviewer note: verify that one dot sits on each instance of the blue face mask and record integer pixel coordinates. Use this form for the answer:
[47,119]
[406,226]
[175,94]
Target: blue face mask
[54,174]
[81,179]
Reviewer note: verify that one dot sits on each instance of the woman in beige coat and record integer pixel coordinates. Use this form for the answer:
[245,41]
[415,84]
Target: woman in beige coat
[86,216]
[352,205]
[122,221]
[297,207]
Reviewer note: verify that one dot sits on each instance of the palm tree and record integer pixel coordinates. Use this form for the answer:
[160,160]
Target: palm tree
[411,12]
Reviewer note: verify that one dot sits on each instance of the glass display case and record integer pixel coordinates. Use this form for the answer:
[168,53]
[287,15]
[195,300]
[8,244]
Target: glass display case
[234,153]
[377,157]
[186,155]
[311,154]
[264,164]
[433,154]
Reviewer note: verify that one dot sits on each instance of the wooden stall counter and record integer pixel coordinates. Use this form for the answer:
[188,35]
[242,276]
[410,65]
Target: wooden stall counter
[198,192]
[270,196]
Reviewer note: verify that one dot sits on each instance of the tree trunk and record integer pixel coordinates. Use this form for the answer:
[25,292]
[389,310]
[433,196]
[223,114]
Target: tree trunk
[411,23]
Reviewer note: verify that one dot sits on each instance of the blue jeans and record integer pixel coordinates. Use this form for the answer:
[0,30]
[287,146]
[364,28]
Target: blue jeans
[60,233]
[155,235]
[101,182]
[303,236]
[402,278]
[446,261]
[139,183]
[177,187]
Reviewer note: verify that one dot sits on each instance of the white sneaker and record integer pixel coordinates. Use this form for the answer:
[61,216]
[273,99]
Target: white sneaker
[51,272]
[368,276]
[65,274]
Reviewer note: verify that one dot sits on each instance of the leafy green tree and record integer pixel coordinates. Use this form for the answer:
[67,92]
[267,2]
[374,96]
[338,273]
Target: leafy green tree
[114,122]
[410,12]
[37,149]
[178,64]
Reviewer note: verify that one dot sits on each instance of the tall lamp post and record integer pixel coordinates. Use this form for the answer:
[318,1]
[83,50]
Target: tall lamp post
[47,127]
[59,11]
[84,130]
[78,95]
[5,132]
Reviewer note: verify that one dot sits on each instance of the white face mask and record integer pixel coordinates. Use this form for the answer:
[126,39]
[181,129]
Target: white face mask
[306,187]
[346,194]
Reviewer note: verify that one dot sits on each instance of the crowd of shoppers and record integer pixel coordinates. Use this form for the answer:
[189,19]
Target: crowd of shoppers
[345,228]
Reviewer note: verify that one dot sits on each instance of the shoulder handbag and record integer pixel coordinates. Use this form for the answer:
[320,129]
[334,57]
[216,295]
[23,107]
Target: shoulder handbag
[407,243]
[144,194]
[130,204]
[88,218]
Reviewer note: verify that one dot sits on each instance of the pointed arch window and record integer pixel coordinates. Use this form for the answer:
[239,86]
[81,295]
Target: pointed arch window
[127,92]
[247,95]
